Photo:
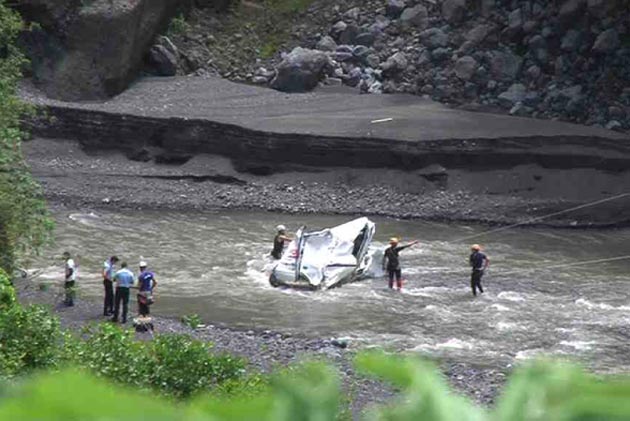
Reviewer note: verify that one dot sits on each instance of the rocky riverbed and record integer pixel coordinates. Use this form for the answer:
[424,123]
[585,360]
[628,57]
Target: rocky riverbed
[75,179]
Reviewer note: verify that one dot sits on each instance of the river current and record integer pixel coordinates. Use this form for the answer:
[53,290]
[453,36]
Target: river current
[211,264]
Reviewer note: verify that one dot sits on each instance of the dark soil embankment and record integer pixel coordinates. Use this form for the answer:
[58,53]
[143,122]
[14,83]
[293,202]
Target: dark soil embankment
[234,146]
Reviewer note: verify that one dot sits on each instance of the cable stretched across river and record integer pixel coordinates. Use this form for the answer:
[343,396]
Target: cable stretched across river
[540,218]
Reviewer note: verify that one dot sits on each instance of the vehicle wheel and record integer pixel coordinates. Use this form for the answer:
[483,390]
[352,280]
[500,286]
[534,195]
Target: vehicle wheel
[273,280]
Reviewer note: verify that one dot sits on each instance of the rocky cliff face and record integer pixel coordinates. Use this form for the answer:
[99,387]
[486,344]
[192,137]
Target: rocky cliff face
[90,49]
[566,60]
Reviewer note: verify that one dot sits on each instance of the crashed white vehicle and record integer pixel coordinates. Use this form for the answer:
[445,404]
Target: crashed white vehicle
[327,258]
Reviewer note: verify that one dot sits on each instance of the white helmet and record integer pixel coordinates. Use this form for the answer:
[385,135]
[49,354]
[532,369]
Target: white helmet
[143,264]
[281,228]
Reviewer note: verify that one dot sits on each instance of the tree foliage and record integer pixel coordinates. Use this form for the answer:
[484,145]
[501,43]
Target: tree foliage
[24,220]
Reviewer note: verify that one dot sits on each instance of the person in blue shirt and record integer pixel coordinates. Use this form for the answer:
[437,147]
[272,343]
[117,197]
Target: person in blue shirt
[109,270]
[124,279]
[479,263]
[146,284]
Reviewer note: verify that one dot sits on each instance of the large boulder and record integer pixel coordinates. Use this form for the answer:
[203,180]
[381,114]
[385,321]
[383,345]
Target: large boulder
[606,42]
[162,61]
[454,11]
[504,65]
[300,70]
[91,50]
[466,67]
[416,16]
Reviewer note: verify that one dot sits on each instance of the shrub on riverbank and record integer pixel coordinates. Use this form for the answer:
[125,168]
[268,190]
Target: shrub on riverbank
[24,221]
[542,391]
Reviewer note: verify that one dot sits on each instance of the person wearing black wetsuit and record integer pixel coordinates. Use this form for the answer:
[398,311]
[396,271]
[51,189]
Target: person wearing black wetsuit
[391,262]
[278,242]
[478,262]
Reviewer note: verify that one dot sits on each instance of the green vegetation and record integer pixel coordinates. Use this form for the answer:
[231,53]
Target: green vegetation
[193,321]
[24,221]
[177,26]
[542,391]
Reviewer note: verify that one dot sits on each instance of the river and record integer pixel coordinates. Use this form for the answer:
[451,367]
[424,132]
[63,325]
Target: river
[210,264]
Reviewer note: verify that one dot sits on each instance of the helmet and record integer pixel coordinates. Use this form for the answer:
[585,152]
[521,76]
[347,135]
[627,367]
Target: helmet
[393,240]
[475,247]
[281,228]
[143,264]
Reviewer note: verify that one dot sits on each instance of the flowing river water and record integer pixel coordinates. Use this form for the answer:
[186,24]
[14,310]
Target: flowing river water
[210,264]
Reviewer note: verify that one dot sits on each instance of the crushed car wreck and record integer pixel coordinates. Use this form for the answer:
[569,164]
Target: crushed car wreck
[326,259]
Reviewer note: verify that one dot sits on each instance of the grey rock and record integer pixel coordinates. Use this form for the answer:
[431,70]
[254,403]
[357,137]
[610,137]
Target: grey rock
[361,52]
[376,88]
[571,10]
[168,44]
[365,38]
[492,85]
[260,80]
[380,24]
[352,14]
[395,63]
[353,78]
[607,41]
[530,26]
[416,16]
[515,20]
[333,81]
[349,35]
[614,125]
[616,112]
[338,28]
[533,72]
[600,8]
[394,8]
[561,65]
[373,60]
[162,61]
[300,70]
[532,99]
[520,109]
[487,7]
[514,94]
[504,65]
[571,40]
[440,54]
[326,43]
[478,34]
[92,50]
[454,11]
[466,67]
[434,38]
[538,47]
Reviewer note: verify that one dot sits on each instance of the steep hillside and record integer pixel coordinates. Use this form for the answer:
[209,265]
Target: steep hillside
[566,60]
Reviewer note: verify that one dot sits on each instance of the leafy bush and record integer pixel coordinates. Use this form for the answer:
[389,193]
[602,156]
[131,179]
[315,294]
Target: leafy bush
[24,220]
[181,366]
[7,292]
[541,391]
[192,320]
[29,339]
[175,365]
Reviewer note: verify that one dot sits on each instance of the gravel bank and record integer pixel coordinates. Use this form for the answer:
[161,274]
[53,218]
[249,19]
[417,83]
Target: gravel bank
[75,179]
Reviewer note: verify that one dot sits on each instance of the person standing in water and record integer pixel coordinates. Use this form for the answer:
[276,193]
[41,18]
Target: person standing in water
[479,263]
[146,284]
[391,261]
[70,276]
[109,269]
[278,242]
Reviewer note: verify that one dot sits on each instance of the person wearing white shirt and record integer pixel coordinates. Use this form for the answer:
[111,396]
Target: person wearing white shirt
[70,274]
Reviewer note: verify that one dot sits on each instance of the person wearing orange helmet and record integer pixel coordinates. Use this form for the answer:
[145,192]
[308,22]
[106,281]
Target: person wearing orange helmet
[391,262]
[479,263]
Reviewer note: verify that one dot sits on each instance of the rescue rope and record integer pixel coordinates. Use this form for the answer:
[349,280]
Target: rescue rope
[565,265]
[540,218]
